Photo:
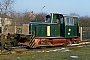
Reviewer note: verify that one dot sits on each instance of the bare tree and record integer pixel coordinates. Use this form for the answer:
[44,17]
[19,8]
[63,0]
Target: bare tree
[28,16]
[6,6]
[75,14]
[40,17]
[84,21]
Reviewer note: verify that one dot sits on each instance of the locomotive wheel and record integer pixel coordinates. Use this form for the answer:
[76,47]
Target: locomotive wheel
[75,40]
[65,43]
[8,46]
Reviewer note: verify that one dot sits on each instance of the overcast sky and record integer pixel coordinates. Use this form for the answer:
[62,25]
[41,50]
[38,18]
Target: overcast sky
[82,7]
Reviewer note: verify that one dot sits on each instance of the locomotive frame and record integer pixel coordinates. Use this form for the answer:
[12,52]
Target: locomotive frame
[58,29]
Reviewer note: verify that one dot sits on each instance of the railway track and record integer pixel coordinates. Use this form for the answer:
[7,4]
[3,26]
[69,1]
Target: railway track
[25,50]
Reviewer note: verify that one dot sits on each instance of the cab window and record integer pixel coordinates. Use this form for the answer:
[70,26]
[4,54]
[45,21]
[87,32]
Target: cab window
[48,20]
[69,21]
[75,21]
[59,19]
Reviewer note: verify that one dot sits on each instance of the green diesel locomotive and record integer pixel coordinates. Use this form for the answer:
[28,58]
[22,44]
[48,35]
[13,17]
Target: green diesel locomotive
[58,29]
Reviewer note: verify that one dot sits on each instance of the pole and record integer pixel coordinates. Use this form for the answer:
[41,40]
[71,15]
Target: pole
[81,33]
[42,8]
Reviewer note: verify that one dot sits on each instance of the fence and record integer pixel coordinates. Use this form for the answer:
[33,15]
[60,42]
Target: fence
[85,33]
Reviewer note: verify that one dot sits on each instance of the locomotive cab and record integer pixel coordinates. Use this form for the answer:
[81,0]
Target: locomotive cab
[68,24]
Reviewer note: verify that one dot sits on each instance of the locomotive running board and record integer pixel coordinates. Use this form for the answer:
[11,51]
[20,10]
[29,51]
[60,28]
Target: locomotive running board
[43,45]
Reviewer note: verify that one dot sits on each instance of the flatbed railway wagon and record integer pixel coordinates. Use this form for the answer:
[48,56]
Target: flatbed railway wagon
[58,29]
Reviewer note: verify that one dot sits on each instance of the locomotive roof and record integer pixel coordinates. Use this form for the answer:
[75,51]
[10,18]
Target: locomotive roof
[65,15]
[38,23]
[70,15]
